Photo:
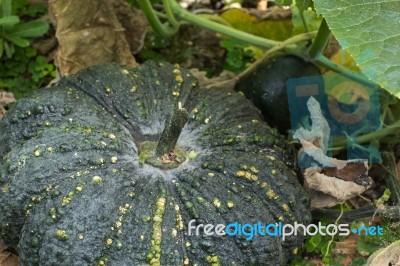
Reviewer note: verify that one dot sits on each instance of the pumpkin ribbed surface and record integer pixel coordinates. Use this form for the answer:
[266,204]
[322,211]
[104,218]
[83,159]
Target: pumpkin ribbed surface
[75,187]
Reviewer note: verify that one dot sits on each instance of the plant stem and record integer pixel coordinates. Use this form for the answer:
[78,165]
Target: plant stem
[169,13]
[163,30]
[316,53]
[281,46]
[182,14]
[344,71]
[176,14]
[215,18]
[169,137]
[393,128]
[303,20]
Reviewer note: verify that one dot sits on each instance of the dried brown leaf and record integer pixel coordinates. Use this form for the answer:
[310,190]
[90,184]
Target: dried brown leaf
[89,33]
[338,190]
[5,99]
[6,257]
[386,256]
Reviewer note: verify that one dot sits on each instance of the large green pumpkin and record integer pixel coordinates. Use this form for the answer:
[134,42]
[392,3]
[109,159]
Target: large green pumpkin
[81,182]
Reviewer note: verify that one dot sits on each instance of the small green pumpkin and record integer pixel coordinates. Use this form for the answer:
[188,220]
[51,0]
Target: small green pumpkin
[266,86]
[90,173]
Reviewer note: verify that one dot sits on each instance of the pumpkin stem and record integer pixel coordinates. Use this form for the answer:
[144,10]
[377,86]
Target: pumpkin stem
[172,130]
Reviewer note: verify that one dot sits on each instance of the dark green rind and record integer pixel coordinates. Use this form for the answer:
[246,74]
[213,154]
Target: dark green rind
[94,121]
[266,87]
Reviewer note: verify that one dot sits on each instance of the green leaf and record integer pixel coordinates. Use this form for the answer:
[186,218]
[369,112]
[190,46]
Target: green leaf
[1,47]
[369,31]
[5,8]
[311,18]
[9,49]
[30,29]
[18,41]
[9,20]
[366,248]
[315,240]
[278,30]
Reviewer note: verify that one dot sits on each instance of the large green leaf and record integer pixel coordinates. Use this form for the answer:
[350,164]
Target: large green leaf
[369,30]
[9,20]
[30,29]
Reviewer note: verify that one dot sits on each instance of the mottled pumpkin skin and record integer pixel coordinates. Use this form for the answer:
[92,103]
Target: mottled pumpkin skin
[73,190]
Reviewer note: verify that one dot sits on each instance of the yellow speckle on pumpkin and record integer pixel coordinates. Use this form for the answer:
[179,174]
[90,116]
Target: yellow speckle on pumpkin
[124,71]
[111,136]
[230,204]
[114,159]
[192,154]
[49,149]
[271,194]
[210,174]
[79,188]
[247,175]
[179,77]
[254,169]
[97,179]
[80,236]
[295,251]
[67,199]
[285,207]
[133,89]
[36,153]
[273,171]
[240,173]
[109,241]
[5,188]
[213,260]
[175,93]
[122,210]
[217,202]
[186,261]
[62,234]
